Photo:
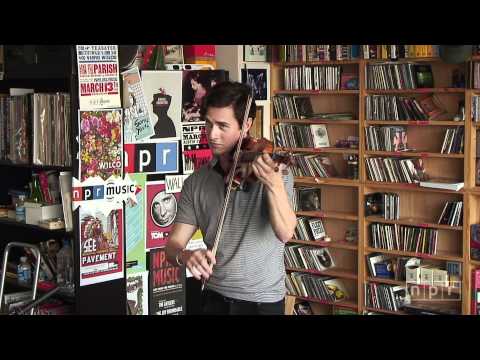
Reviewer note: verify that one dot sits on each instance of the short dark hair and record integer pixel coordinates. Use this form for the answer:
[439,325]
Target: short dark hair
[229,93]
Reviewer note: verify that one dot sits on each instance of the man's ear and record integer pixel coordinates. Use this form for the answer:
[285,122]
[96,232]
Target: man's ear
[249,124]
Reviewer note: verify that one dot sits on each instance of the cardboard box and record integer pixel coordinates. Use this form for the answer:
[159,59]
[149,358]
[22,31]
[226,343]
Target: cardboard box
[412,274]
[35,212]
[440,277]
[426,275]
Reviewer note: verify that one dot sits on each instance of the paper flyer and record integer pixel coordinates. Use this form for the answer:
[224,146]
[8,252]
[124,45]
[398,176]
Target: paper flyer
[163,94]
[137,123]
[98,77]
[100,143]
[160,213]
[137,293]
[101,244]
[196,151]
[135,228]
[167,285]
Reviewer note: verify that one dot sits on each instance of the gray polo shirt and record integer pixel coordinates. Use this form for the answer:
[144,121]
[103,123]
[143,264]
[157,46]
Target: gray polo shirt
[250,263]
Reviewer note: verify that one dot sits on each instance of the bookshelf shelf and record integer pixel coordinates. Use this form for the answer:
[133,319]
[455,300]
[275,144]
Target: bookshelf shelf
[316,92]
[329,215]
[14,223]
[452,290]
[316,121]
[404,60]
[326,181]
[418,91]
[476,124]
[328,150]
[439,256]
[409,187]
[389,312]
[331,244]
[346,274]
[323,62]
[413,154]
[415,122]
[413,222]
[351,304]
[475,262]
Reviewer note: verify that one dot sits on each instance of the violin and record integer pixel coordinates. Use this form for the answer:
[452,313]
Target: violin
[249,150]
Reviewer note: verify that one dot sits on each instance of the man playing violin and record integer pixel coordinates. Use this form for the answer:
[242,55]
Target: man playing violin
[247,275]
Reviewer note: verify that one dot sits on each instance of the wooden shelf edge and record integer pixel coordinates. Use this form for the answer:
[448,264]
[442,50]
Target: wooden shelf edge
[416,122]
[352,304]
[340,273]
[385,311]
[326,181]
[330,149]
[332,244]
[317,121]
[316,92]
[417,91]
[329,215]
[413,254]
[317,62]
[415,222]
[422,154]
[409,187]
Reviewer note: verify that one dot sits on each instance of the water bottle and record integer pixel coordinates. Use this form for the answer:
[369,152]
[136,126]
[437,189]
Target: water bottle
[20,209]
[24,271]
[65,265]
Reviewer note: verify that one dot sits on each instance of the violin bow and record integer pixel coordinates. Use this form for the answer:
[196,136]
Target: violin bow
[230,178]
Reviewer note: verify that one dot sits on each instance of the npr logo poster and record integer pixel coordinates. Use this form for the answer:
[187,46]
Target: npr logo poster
[152,157]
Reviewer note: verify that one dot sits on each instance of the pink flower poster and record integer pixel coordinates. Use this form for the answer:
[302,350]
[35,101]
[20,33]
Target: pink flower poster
[101,148]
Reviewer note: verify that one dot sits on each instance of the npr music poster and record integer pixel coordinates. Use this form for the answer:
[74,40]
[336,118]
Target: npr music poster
[160,213]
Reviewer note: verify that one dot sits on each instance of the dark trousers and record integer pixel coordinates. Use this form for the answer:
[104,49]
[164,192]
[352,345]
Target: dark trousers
[215,304]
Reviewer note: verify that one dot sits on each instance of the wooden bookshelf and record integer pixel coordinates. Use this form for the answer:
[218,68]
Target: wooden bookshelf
[451,289]
[328,150]
[421,206]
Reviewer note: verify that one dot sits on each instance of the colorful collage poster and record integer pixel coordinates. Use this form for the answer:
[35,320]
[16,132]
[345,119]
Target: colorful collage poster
[98,77]
[160,213]
[167,285]
[100,143]
[101,246]
[137,293]
[135,228]
[136,122]
[163,94]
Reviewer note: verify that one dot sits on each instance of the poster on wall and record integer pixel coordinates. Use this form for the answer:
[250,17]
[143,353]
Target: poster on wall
[135,228]
[196,151]
[196,84]
[98,77]
[101,244]
[160,213]
[167,285]
[163,94]
[137,293]
[137,123]
[152,157]
[100,143]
